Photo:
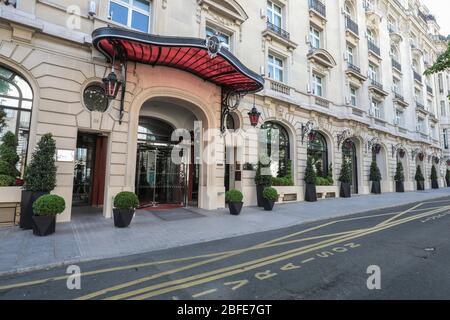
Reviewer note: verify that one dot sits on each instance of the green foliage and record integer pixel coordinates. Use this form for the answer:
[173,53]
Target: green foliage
[233,196]
[433,175]
[41,172]
[49,205]
[330,174]
[2,119]
[310,173]
[263,180]
[321,181]
[399,175]
[442,63]
[6,181]
[419,175]
[345,175]
[319,171]
[270,194]
[126,201]
[375,174]
[8,155]
[286,180]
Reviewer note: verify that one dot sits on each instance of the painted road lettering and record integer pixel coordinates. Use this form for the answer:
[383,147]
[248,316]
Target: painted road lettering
[236,284]
[265,275]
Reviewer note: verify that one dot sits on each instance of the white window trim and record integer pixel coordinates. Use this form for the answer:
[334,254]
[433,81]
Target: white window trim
[273,13]
[282,68]
[132,8]
[316,84]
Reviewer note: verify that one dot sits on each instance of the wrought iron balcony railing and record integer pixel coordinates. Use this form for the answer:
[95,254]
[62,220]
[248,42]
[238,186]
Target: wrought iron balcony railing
[281,32]
[399,96]
[351,25]
[373,47]
[318,6]
[354,68]
[376,84]
[396,65]
[420,105]
[429,89]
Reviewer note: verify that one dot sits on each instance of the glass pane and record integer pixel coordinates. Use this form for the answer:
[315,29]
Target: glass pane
[142,4]
[139,21]
[118,13]
[277,21]
[5,73]
[27,105]
[8,89]
[22,150]
[27,93]
[25,119]
[9,102]
[11,121]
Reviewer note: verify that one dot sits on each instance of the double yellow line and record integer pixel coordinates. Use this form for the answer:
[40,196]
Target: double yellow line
[166,287]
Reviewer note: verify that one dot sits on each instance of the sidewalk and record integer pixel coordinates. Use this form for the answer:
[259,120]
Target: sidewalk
[91,237]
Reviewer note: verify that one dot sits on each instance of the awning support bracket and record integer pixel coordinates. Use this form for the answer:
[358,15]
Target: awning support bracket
[230,101]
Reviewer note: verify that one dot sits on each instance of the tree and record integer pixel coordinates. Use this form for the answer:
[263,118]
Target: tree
[419,175]
[442,63]
[310,173]
[375,175]
[8,155]
[399,175]
[433,175]
[2,119]
[41,172]
[346,173]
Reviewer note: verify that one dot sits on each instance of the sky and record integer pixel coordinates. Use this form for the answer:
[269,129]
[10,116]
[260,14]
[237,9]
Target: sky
[441,10]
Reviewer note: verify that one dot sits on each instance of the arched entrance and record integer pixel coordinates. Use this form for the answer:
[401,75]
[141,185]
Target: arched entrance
[162,181]
[349,152]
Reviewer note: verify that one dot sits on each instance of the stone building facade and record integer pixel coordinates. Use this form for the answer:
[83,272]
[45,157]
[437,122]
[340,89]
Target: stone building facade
[342,78]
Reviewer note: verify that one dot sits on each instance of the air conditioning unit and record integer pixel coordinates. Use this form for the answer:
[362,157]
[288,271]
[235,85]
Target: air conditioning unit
[92,8]
[262,13]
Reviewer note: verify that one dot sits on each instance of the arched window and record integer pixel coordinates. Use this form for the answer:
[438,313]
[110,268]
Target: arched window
[16,102]
[318,151]
[153,130]
[275,131]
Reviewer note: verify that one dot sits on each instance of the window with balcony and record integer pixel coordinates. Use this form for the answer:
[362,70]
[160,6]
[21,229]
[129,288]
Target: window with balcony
[445,138]
[274,14]
[134,14]
[350,54]
[350,20]
[317,85]
[225,39]
[276,68]
[315,37]
[353,96]
[372,42]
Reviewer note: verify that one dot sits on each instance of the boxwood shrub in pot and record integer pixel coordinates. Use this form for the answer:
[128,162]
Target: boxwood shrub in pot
[125,204]
[234,199]
[310,181]
[345,178]
[270,196]
[8,160]
[45,209]
[375,177]
[434,178]
[420,179]
[40,178]
[399,178]
[262,180]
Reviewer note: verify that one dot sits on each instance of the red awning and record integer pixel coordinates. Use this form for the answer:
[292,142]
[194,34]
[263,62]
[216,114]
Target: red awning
[188,54]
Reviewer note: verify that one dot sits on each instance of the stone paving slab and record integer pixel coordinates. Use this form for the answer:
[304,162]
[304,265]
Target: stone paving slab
[93,237]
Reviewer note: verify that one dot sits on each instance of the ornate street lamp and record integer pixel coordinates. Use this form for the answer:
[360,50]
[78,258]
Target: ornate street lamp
[112,85]
[254,114]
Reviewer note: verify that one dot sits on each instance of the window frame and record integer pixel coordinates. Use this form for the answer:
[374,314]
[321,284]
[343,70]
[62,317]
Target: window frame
[315,37]
[272,65]
[318,85]
[271,13]
[130,7]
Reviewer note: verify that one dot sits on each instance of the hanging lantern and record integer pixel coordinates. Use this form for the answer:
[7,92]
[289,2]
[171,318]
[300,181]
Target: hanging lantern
[254,116]
[312,136]
[112,85]
[436,159]
[377,148]
[421,156]
[401,153]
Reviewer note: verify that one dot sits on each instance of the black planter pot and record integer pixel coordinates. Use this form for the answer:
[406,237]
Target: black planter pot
[259,195]
[268,204]
[235,208]
[122,218]
[43,225]
[399,186]
[420,185]
[345,190]
[26,208]
[434,184]
[376,187]
[310,193]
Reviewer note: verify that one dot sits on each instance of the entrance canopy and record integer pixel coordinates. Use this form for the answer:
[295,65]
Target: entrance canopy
[189,54]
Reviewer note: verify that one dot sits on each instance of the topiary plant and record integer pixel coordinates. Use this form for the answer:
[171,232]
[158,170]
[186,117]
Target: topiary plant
[126,201]
[233,196]
[2,119]
[375,174]
[399,175]
[41,173]
[260,179]
[330,174]
[433,175]
[270,194]
[6,181]
[419,175]
[8,155]
[49,205]
[310,174]
[346,173]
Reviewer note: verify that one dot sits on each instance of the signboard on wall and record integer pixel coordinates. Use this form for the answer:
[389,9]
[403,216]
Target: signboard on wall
[65,155]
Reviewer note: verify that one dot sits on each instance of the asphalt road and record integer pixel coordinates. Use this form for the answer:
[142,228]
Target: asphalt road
[406,251]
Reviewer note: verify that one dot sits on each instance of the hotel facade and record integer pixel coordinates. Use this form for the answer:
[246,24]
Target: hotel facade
[335,79]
